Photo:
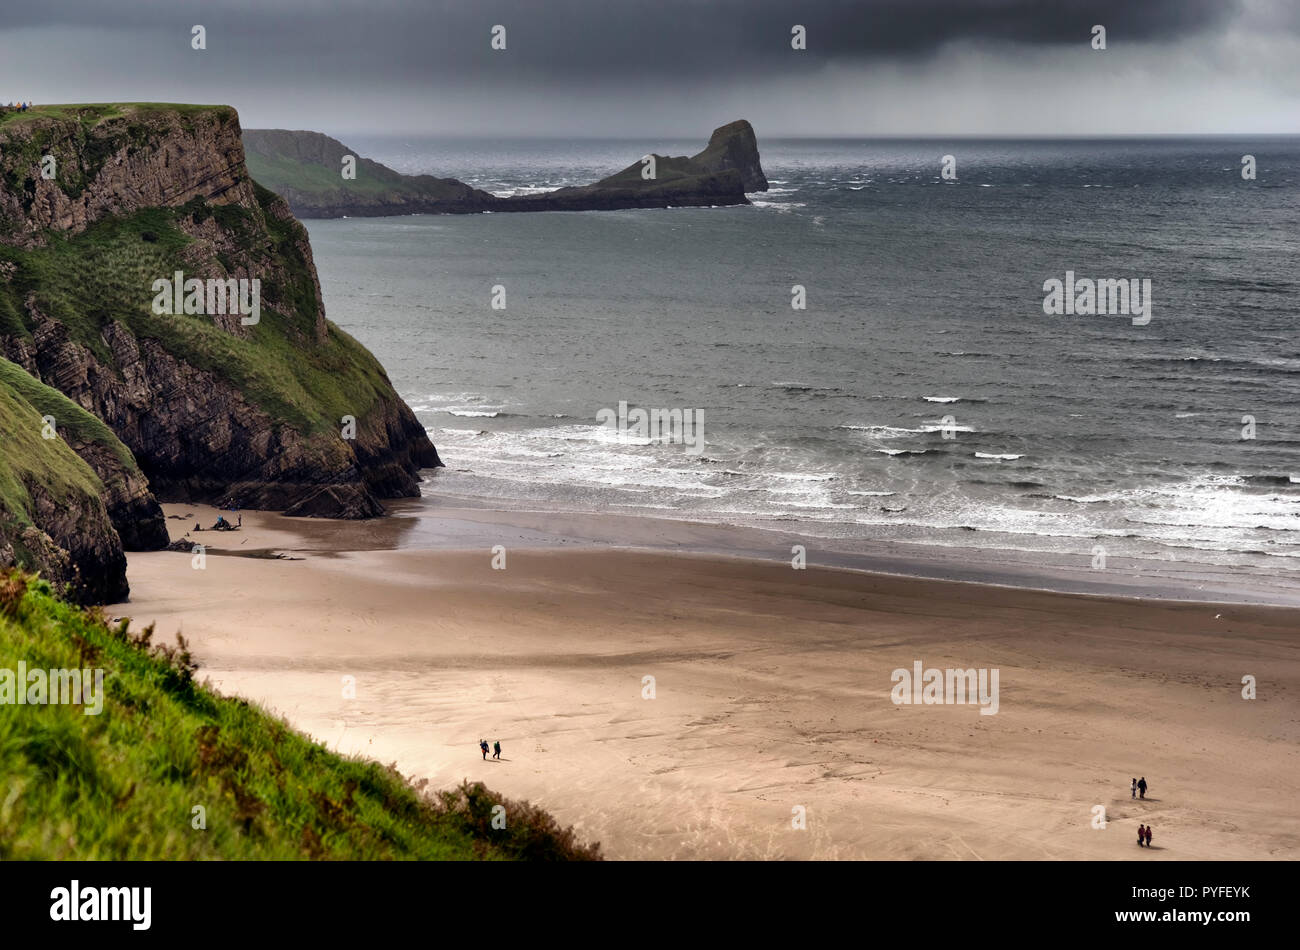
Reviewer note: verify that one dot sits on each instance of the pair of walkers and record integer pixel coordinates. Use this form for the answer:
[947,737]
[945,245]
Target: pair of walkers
[496,748]
[1144,834]
[1139,787]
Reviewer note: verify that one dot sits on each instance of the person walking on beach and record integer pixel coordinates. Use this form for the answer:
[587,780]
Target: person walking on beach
[1142,786]
[1133,791]
[1142,832]
[496,749]
[482,744]
[1148,836]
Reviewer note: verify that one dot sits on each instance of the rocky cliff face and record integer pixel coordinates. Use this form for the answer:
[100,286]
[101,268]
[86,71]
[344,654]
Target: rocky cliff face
[108,164]
[287,412]
[734,146]
[305,168]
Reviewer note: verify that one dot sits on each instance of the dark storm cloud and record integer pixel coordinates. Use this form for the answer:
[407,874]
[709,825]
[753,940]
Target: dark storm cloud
[668,66]
[603,39]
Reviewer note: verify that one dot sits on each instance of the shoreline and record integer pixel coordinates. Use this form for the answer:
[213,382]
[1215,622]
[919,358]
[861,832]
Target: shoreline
[773,689]
[430,523]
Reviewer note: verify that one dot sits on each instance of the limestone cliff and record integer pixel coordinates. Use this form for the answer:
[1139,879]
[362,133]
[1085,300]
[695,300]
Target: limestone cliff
[285,411]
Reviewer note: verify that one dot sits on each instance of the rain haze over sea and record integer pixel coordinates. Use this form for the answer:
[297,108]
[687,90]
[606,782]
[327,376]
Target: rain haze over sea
[924,319]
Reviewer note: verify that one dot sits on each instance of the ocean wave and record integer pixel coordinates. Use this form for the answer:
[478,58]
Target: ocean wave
[1005,457]
[882,430]
[802,476]
[472,413]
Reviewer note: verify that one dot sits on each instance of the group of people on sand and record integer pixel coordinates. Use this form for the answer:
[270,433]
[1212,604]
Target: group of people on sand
[1138,789]
[496,748]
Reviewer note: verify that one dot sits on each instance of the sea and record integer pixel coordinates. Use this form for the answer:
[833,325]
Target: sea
[921,395]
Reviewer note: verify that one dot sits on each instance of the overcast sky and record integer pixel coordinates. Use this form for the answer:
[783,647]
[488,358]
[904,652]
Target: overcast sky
[676,67]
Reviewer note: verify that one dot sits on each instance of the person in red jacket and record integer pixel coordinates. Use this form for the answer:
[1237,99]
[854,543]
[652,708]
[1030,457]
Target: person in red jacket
[1142,833]
[1148,836]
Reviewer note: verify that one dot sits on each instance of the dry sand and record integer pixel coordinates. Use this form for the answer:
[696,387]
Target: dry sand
[772,691]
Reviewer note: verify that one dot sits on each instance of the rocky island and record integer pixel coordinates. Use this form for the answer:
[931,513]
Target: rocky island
[305,168]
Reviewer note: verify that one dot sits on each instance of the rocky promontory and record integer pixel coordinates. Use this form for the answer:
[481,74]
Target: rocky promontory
[306,169]
[275,409]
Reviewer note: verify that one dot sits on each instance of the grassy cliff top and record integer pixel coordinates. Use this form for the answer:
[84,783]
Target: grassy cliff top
[92,113]
[125,784]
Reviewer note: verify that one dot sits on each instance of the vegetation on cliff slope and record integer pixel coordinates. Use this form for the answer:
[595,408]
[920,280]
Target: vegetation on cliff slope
[124,784]
[52,514]
[25,456]
[105,274]
[71,420]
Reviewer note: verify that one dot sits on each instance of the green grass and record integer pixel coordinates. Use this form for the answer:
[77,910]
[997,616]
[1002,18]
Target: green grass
[124,784]
[278,172]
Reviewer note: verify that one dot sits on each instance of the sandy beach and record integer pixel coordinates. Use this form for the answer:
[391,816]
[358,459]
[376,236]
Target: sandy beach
[771,690]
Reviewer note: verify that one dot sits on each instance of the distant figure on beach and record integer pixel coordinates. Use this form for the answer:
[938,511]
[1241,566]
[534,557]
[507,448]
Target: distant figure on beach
[482,744]
[1142,833]
[496,749]
[1148,836]
[241,521]
[1133,791]
[1142,787]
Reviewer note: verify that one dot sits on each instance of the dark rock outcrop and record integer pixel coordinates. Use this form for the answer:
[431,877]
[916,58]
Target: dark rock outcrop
[734,146]
[305,169]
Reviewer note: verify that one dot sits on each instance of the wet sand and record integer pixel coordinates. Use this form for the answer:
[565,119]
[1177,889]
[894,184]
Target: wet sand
[772,689]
